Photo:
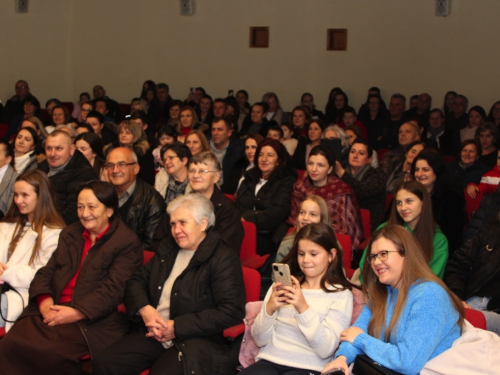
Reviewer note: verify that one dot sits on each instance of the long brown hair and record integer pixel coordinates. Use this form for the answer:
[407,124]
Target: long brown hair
[322,235]
[415,269]
[45,213]
[426,227]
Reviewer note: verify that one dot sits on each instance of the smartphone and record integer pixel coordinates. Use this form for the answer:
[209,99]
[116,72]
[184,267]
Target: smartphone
[335,371]
[281,273]
[230,92]
[193,89]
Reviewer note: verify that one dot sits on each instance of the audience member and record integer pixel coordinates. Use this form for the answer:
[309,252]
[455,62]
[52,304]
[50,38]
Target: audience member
[275,132]
[274,112]
[468,168]
[242,98]
[386,136]
[25,143]
[300,118]
[487,212]
[494,114]
[148,93]
[337,103]
[487,135]
[67,169]
[205,112]
[112,107]
[477,115]
[449,101]
[77,109]
[289,142]
[8,176]
[140,206]
[314,131]
[368,183]
[167,135]
[265,194]
[29,233]
[489,182]
[422,110]
[160,105]
[31,108]
[350,119]
[172,180]
[15,105]
[437,132]
[257,121]
[73,300]
[204,173]
[402,171]
[412,317]
[307,100]
[101,106]
[90,146]
[198,291]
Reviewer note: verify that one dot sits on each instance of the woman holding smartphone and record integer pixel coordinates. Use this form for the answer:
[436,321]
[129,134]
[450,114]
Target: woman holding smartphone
[411,316]
[305,319]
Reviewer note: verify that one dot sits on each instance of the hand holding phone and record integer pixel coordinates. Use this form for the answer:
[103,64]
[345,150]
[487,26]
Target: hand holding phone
[281,273]
[335,371]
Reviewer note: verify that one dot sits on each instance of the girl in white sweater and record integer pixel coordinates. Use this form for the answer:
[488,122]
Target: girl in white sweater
[29,233]
[299,326]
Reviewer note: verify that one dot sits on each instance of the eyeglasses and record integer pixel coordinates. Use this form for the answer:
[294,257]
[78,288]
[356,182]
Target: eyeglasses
[200,171]
[121,166]
[85,110]
[169,158]
[382,255]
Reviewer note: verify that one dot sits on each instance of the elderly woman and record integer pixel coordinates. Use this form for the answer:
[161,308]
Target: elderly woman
[25,143]
[73,300]
[28,236]
[181,301]
[468,168]
[265,194]
[172,180]
[367,182]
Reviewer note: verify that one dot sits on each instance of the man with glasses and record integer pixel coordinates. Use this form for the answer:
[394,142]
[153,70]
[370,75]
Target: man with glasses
[141,207]
[204,172]
[66,168]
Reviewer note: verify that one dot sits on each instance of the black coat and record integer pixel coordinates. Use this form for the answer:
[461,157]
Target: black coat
[487,212]
[67,182]
[233,154]
[475,263]
[468,175]
[206,298]
[100,285]
[145,212]
[227,220]
[270,208]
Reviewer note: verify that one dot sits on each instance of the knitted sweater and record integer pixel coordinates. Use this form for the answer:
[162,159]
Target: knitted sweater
[307,340]
[426,328]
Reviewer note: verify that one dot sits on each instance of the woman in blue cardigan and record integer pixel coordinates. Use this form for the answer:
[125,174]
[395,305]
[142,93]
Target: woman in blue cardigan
[411,316]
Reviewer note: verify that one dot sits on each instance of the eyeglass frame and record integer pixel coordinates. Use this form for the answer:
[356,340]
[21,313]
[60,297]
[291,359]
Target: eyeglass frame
[121,165]
[371,258]
[201,172]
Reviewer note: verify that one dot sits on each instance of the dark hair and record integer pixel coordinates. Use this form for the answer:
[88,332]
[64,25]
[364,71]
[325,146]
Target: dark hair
[264,106]
[84,94]
[203,92]
[52,100]
[490,113]
[399,96]
[151,85]
[288,125]
[244,92]
[177,103]
[438,165]
[331,110]
[33,133]
[65,111]
[318,121]
[322,235]
[485,126]
[33,100]
[478,109]
[89,128]
[474,142]
[302,97]
[105,193]
[324,151]
[139,115]
[454,93]
[167,130]
[349,109]
[437,110]
[374,88]
[426,227]
[180,149]
[8,151]
[219,100]
[362,141]
[227,121]
[382,109]
[277,146]
[163,86]
[231,100]
[96,115]
[101,99]
[275,127]
[356,130]
[304,109]
[94,142]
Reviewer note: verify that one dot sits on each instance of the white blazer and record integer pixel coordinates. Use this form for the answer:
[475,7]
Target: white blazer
[20,273]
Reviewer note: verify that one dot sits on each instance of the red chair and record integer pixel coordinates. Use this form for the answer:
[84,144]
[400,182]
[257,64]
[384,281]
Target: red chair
[124,109]
[472,204]
[388,200]
[381,152]
[230,196]
[248,252]
[449,159]
[300,174]
[366,221]
[69,105]
[4,128]
[476,318]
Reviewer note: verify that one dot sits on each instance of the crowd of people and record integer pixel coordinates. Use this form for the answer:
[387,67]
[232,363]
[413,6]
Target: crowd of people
[84,193]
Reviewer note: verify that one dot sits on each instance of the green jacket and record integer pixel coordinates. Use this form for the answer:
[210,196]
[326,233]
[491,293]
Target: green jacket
[439,258]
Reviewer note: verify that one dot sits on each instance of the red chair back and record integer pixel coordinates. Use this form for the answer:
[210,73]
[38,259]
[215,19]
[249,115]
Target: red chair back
[476,318]
[147,256]
[365,220]
[252,284]
[300,173]
[249,244]
[230,196]
[388,200]
[381,152]
[346,243]
[4,128]
[472,204]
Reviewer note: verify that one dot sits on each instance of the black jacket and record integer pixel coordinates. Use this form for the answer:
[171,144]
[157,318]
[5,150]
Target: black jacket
[233,154]
[227,220]
[67,182]
[487,212]
[145,211]
[299,156]
[206,298]
[475,263]
[270,208]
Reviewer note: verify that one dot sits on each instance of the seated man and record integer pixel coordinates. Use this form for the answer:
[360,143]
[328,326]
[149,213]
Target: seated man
[67,169]
[204,173]
[112,107]
[101,106]
[473,274]
[141,207]
[96,120]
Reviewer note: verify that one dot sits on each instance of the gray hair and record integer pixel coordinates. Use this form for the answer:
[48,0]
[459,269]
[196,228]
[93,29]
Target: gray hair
[199,206]
[344,139]
[204,158]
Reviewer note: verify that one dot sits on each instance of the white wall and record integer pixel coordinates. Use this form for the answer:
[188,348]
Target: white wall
[64,47]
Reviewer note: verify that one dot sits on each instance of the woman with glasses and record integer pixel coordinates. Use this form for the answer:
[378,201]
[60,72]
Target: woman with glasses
[412,209]
[172,180]
[412,316]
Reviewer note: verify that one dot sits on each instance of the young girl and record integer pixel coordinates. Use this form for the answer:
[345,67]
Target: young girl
[166,136]
[411,316]
[412,209]
[304,320]
[313,209]
[29,233]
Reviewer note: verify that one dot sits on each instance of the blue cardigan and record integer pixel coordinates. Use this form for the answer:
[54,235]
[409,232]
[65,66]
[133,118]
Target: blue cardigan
[427,327]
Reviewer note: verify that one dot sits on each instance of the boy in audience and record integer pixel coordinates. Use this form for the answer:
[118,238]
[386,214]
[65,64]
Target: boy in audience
[288,141]
[275,132]
[350,118]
